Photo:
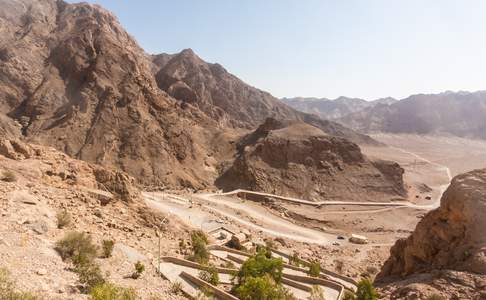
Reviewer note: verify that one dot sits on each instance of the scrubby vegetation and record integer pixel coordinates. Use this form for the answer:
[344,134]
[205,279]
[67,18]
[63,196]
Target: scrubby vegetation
[63,219]
[139,269]
[316,293]
[260,278]
[295,260]
[108,291]
[9,176]
[314,269]
[176,287]
[107,247]
[77,247]
[8,290]
[200,253]
[365,291]
[210,275]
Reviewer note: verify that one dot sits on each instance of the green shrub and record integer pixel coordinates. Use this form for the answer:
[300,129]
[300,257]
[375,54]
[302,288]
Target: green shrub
[314,269]
[210,275]
[77,247]
[366,290]
[200,253]
[348,296]
[316,293]
[263,287]
[107,246]
[63,219]
[90,275]
[109,291]
[267,251]
[9,176]
[8,289]
[228,264]
[139,268]
[258,266]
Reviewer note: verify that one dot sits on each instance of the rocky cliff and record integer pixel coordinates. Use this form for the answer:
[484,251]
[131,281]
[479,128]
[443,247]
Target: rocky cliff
[296,159]
[449,243]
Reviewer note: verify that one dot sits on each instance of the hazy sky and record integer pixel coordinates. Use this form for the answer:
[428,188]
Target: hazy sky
[366,48]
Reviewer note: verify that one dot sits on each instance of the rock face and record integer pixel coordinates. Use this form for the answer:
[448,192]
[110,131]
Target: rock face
[295,159]
[59,169]
[72,78]
[451,237]
[461,114]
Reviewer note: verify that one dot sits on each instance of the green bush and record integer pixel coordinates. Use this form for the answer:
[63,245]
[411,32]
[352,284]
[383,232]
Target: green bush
[210,275]
[200,253]
[139,268]
[78,247]
[348,296]
[258,266]
[8,290]
[314,269]
[63,219]
[263,287]
[90,275]
[9,176]
[107,246]
[316,293]
[109,291]
[366,290]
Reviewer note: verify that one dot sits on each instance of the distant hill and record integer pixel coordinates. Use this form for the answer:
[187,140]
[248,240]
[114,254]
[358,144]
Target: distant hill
[457,113]
[333,109]
[450,113]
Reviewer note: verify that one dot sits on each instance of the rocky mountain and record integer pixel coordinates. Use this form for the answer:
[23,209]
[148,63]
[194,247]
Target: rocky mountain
[333,109]
[447,250]
[72,78]
[227,99]
[296,159]
[450,113]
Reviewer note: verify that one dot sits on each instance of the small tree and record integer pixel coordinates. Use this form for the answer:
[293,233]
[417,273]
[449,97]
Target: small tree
[63,219]
[316,293]
[366,290]
[139,268]
[314,269]
[348,296]
[107,246]
[210,275]
[200,253]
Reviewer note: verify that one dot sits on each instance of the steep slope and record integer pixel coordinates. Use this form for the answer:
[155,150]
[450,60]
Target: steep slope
[461,114]
[296,159]
[106,204]
[227,99]
[450,239]
[74,79]
[333,109]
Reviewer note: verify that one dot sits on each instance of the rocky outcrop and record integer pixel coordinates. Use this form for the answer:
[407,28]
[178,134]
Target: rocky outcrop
[59,169]
[295,159]
[448,238]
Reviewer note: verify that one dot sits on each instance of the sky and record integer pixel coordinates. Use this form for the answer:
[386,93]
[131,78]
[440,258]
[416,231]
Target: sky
[319,48]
